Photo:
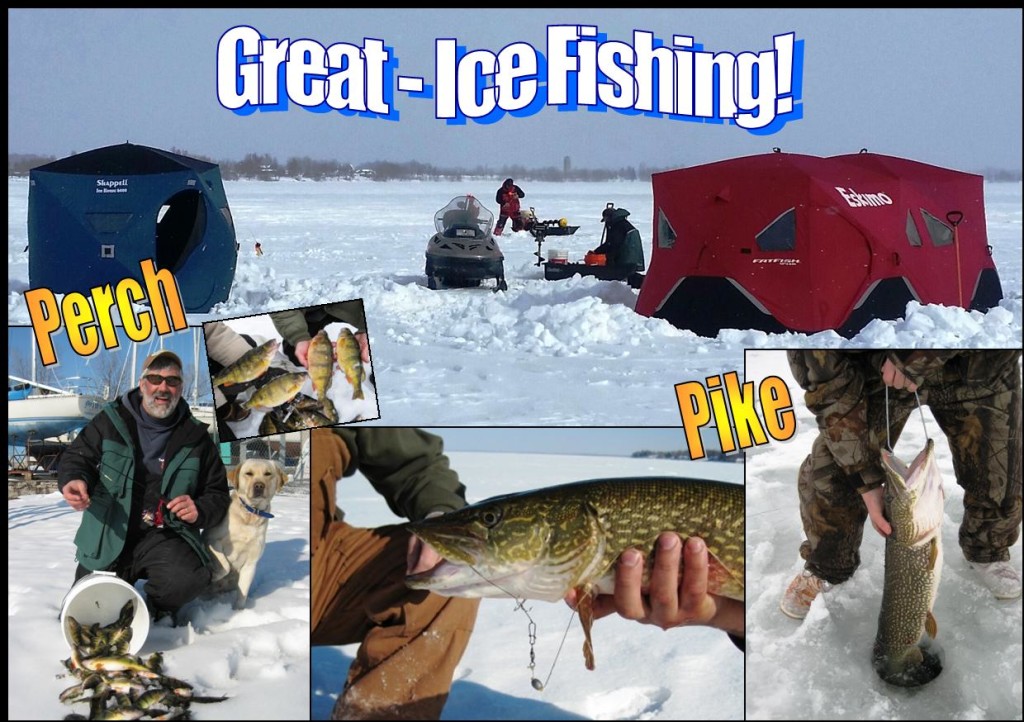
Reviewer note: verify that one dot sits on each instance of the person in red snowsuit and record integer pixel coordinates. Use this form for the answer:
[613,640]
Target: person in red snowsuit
[507,199]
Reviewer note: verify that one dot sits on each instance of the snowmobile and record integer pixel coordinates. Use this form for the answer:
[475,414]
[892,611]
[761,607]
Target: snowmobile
[463,252]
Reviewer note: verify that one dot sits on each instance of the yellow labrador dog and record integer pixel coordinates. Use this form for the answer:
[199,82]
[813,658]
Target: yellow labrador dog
[237,542]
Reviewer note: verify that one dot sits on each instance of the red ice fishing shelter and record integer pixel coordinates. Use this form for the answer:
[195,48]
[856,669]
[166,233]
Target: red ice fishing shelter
[786,242]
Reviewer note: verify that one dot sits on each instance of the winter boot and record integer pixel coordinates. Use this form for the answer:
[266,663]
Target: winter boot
[1000,578]
[796,602]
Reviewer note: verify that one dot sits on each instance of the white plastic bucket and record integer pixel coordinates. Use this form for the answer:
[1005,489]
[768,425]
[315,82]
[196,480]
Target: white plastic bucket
[558,256]
[98,598]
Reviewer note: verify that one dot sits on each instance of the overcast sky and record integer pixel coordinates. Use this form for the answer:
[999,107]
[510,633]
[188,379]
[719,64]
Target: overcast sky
[940,86]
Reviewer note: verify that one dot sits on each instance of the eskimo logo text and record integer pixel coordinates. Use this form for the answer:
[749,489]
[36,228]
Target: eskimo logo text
[111,186]
[860,200]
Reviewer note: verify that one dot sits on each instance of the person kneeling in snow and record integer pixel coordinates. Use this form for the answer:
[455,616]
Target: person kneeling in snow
[622,245]
[147,478]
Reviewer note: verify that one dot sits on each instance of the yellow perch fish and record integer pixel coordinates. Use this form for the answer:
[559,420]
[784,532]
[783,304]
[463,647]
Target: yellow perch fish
[251,365]
[914,502]
[320,362]
[279,391]
[541,544]
[350,362]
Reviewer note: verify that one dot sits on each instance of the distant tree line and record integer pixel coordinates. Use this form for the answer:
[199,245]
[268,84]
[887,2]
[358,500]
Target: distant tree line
[267,167]
[682,455]
[263,166]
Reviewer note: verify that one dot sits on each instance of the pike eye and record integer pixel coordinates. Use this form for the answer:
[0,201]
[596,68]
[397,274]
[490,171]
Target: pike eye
[490,518]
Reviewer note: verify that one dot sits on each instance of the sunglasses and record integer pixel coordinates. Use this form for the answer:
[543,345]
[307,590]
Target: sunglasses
[156,379]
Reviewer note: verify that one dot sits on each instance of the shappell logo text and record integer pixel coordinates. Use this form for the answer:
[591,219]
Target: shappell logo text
[859,200]
[582,69]
[111,186]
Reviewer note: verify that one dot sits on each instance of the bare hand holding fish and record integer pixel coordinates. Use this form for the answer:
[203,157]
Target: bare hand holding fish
[874,500]
[677,594]
[545,543]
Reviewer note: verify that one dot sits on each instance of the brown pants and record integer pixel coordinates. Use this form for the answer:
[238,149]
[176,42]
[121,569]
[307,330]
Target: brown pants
[410,641]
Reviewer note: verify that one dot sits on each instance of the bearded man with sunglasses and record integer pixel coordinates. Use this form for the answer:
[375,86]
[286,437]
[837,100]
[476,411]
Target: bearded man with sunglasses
[147,477]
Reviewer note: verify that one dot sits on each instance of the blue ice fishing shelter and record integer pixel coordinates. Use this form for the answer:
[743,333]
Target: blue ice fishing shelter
[93,217]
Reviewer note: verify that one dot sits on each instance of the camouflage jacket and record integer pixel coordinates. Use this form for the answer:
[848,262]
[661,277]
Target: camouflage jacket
[837,385]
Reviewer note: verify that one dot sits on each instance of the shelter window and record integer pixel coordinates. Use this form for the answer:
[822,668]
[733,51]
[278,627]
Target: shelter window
[941,234]
[106,251]
[666,233]
[912,235]
[780,234]
[109,222]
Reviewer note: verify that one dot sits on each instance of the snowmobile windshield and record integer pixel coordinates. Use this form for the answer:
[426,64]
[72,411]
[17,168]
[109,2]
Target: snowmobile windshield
[464,216]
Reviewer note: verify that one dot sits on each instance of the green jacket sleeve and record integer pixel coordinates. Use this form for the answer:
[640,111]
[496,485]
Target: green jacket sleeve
[350,312]
[834,391]
[291,325]
[81,460]
[294,325]
[214,495]
[407,466]
[633,252]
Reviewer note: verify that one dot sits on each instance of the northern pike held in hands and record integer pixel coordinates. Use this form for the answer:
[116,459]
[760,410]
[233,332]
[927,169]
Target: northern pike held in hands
[541,544]
[914,503]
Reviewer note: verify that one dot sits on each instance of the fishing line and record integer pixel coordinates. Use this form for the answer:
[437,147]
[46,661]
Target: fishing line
[920,408]
[531,631]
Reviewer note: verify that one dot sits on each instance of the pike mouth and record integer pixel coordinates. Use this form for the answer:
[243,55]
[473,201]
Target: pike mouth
[464,546]
[453,579]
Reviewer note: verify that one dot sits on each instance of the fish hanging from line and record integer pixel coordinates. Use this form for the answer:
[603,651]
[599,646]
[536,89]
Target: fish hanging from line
[914,502]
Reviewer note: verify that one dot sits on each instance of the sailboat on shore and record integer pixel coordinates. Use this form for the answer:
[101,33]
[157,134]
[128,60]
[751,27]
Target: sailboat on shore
[38,411]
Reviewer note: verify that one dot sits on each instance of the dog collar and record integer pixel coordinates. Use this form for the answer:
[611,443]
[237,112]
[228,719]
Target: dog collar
[257,512]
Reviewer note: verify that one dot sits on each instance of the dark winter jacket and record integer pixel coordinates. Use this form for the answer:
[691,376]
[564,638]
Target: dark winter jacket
[407,466]
[106,455]
[622,245]
[509,194]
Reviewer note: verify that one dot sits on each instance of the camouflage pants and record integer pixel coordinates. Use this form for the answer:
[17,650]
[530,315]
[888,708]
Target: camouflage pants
[981,419]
